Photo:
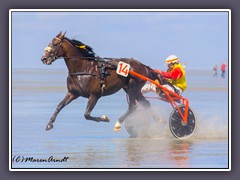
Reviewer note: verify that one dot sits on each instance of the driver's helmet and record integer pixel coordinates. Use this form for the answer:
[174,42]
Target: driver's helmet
[171,59]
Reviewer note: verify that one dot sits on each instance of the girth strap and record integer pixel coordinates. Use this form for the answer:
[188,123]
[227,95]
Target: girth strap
[83,74]
[103,73]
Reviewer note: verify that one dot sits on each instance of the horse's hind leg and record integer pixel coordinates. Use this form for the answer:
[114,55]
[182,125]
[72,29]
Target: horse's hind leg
[131,108]
[92,101]
[134,97]
[68,98]
[143,101]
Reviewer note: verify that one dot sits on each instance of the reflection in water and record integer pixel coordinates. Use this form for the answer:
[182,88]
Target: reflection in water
[179,151]
[90,157]
[158,153]
[134,153]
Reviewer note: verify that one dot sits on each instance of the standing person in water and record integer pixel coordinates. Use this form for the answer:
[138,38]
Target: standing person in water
[223,69]
[215,70]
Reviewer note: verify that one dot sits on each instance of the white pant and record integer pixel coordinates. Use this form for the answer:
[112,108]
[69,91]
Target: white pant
[149,87]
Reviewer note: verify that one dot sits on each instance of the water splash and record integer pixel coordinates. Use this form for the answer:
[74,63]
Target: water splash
[154,123]
[211,126]
[148,122]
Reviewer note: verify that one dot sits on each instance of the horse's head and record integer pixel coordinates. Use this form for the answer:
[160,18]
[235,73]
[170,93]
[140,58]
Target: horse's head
[54,50]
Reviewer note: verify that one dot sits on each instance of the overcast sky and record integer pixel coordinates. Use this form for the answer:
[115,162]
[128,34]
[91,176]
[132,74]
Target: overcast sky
[199,38]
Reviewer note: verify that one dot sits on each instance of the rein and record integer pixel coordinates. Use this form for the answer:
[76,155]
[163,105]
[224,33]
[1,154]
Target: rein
[97,59]
[101,64]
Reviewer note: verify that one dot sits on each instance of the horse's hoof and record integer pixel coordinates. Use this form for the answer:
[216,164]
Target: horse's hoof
[49,127]
[105,118]
[117,129]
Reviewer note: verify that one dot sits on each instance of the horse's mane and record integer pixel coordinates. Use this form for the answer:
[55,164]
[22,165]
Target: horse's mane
[84,49]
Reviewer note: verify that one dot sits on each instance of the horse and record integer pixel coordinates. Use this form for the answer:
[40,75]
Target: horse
[92,77]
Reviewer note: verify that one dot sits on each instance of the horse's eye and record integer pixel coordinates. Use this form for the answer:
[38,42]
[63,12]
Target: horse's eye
[52,44]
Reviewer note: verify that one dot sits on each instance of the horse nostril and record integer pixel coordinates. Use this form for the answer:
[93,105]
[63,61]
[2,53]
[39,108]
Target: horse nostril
[43,59]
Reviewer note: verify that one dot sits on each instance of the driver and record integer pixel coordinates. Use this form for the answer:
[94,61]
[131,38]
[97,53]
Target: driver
[175,75]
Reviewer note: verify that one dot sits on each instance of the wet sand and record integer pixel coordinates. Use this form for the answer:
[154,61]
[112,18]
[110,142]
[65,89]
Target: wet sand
[76,143]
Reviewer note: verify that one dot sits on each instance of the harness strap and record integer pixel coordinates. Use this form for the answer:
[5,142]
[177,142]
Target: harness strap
[103,73]
[83,74]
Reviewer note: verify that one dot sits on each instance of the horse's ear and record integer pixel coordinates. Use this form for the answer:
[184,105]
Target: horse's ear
[64,33]
[59,34]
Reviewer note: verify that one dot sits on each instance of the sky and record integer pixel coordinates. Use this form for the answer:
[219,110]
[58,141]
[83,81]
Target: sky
[199,38]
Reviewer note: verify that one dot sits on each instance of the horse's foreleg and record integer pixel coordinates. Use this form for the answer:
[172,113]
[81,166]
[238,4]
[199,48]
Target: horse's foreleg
[92,101]
[68,98]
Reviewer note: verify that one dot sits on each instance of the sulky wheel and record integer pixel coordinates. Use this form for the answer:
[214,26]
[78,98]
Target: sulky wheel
[133,128]
[130,129]
[177,127]
[139,123]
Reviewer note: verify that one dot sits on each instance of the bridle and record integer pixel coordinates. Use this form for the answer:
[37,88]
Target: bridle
[53,51]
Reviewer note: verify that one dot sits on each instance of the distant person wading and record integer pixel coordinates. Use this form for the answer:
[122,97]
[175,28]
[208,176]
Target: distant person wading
[215,71]
[223,69]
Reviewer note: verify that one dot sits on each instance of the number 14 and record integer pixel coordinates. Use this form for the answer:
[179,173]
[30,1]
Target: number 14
[123,69]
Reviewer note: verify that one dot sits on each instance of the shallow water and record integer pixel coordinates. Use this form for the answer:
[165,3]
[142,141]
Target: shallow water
[77,143]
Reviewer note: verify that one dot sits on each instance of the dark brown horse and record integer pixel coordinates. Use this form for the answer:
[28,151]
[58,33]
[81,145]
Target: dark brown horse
[92,77]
